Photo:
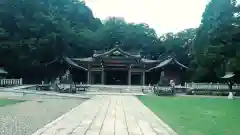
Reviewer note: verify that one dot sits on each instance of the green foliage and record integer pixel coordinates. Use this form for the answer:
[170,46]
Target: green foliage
[34,34]
[216,46]
[4,102]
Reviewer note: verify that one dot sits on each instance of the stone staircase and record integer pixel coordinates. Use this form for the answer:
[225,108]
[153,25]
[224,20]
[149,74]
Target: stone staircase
[117,88]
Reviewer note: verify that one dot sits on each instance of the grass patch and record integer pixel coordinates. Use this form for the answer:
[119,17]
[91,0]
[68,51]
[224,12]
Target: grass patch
[197,116]
[4,102]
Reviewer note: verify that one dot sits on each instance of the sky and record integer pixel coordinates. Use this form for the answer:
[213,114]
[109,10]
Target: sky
[162,15]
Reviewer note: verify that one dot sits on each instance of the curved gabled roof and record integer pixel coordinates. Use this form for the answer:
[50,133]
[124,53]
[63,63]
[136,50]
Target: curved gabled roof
[149,60]
[88,59]
[116,49]
[91,59]
[2,71]
[119,51]
[228,75]
[72,63]
[166,62]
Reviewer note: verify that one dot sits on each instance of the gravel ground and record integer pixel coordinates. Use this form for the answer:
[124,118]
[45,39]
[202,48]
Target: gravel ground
[27,117]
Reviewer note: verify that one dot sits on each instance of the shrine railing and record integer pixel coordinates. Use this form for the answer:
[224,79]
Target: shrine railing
[11,81]
[210,86]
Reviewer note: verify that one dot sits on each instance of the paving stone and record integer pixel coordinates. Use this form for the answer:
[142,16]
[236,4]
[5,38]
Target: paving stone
[146,128]
[110,115]
[92,132]
[79,130]
[98,121]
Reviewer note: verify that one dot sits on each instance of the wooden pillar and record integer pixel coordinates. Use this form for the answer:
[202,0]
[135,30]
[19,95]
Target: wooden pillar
[89,75]
[143,78]
[103,76]
[129,75]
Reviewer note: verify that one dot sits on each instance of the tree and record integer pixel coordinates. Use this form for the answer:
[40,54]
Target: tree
[131,37]
[36,32]
[214,50]
[178,43]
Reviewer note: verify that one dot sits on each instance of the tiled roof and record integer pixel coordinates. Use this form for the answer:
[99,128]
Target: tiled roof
[88,59]
[2,71]
[72,63]
[116,49]
[228,75]
[166,62]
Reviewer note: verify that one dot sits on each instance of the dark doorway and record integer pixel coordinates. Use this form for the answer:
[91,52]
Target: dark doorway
[136,79]
[115,77]
[79,76]
[96,77]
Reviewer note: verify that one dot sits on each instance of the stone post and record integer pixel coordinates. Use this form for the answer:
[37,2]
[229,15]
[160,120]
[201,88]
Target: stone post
[21,81]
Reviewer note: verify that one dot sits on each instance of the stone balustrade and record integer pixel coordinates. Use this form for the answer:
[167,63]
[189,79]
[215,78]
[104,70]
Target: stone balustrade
[4,82]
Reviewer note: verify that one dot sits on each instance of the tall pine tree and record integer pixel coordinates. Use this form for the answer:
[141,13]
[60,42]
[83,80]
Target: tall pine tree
[213,49]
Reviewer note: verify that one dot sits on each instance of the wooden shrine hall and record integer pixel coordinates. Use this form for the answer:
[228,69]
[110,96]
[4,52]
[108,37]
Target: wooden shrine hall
[117,67]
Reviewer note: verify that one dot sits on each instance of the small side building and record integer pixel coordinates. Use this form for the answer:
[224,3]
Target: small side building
[169,69]
[3,73]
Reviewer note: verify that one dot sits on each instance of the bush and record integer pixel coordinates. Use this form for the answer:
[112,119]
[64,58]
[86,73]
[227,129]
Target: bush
[163,91]
[209,92]
[189,92]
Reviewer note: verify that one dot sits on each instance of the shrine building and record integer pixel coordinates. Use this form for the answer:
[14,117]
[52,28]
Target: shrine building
[117,67]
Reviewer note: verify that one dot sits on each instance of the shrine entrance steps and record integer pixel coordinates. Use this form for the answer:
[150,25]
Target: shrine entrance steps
[118,88]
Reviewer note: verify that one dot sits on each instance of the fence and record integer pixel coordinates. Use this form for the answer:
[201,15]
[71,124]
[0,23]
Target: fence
[11,81]
[215,86]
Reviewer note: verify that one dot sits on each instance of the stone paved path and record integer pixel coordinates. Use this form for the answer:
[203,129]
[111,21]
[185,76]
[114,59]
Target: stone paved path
[108,115]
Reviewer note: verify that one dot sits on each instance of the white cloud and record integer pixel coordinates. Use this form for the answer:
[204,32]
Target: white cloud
[162,15]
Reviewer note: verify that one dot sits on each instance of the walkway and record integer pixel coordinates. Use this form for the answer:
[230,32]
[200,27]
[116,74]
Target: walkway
[108,115]
[17,87]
